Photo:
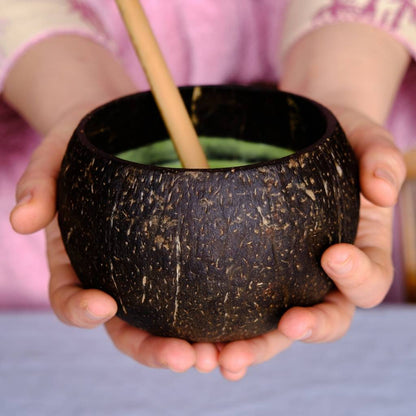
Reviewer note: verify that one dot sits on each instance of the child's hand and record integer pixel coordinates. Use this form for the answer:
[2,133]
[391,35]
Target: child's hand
[71,303]
[362,272]
[91,77]
[90,308]
[355,70]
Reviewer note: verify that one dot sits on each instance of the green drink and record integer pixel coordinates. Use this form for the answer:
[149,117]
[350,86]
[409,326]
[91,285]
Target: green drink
[221,153]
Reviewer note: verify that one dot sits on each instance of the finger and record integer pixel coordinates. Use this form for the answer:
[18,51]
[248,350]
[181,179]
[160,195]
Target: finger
[36,190]
[325,322]
[82,308]
[237,356]
[156,352]
[234,375]
[381,164]
[71,303]
[382,174]
[364,275]
[206,357]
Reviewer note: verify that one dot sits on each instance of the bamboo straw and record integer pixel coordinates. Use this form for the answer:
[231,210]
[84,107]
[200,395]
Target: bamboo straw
[407,207]
[408,234]
[410,159]
[165,92]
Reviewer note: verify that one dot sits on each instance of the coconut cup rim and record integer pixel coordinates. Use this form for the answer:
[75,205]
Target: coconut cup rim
[331,123]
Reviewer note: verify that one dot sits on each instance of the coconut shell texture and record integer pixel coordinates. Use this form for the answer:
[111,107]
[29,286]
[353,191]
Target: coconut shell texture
[208,255]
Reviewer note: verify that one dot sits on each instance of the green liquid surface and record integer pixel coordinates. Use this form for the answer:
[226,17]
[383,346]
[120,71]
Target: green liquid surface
[221,153]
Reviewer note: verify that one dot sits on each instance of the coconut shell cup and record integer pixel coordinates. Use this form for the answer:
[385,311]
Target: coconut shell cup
[209,255]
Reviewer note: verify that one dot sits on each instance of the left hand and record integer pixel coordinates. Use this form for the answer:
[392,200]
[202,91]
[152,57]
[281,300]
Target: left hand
[362,272]
[355,70]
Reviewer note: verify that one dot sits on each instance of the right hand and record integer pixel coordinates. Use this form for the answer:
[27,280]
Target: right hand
[72,304]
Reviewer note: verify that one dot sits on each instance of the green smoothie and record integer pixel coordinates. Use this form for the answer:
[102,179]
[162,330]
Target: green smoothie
[221,153]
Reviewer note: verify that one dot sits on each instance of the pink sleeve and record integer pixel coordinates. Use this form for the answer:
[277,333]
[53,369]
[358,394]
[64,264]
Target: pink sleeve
[26,22]
[398,17]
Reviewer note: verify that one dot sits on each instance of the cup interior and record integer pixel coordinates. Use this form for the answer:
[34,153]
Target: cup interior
[247,124]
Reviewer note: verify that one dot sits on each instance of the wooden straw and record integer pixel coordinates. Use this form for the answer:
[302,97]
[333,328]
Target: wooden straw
[407,207]
[410,159]
[165,92]
[408,234]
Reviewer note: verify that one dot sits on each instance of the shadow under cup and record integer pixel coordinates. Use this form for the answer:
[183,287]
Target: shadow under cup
[208,254]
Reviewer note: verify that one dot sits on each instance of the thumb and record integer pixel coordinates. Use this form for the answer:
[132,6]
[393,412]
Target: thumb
[36,190]
[382,167]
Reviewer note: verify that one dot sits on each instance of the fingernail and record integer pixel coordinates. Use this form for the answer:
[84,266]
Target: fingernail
[204,370]
[92,317]
[24,199]
[341,265]
[386,176]
[97,315]
[236,376]
[306,335]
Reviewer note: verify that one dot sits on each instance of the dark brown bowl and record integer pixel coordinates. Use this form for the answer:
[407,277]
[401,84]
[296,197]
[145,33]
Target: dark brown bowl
[217,254]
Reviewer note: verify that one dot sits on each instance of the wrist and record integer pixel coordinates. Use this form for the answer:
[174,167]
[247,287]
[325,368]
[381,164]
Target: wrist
[64,75]
[347,65]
